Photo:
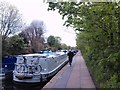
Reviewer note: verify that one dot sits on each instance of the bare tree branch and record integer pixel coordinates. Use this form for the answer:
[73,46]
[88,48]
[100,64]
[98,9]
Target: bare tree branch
[34,34]
[10,19]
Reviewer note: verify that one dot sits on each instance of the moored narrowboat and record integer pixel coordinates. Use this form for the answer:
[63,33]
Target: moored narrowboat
[34,68]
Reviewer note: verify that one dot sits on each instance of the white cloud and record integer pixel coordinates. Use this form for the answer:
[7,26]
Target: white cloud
[36,10]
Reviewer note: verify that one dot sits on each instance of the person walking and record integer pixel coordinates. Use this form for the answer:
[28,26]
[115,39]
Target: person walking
[70,57]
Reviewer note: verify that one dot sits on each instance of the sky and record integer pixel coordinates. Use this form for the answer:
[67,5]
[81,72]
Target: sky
[37,10]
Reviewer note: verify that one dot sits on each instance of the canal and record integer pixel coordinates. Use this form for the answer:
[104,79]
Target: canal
[9,85]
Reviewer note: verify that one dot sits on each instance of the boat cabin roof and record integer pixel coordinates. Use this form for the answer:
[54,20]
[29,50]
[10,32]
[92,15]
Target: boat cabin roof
[35,54]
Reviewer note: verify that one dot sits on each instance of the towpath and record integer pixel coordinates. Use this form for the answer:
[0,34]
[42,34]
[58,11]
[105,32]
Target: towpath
[76,76]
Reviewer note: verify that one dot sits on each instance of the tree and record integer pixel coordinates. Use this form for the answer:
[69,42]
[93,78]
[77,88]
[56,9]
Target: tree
[10,20]
[98,37]
[64,46]
[10,23]
[16,45]
[57,43]
[23,35]
[54,42]
[51,40]
[34,35]
[5,46]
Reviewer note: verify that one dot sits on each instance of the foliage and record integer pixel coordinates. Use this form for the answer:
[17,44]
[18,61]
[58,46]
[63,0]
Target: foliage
[54,42]
[13,46]
[5,46]
[16,45]
[51,41]
[64,46]
[22,34]
[98,36]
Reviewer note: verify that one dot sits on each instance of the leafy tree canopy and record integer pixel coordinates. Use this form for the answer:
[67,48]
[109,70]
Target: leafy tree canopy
[98,36]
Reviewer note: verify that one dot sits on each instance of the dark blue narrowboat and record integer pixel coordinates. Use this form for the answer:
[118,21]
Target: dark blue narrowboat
[8,65]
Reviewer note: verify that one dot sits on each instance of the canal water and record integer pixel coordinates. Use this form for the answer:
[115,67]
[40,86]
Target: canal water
[9,85]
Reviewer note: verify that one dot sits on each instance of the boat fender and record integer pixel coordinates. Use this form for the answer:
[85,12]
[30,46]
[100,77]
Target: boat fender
[20,77]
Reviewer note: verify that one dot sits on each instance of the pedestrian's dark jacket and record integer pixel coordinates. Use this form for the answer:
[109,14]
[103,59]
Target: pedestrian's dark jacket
[70,55]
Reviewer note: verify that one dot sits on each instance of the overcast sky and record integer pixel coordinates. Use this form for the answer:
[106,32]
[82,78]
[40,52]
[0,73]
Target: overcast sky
[36,10]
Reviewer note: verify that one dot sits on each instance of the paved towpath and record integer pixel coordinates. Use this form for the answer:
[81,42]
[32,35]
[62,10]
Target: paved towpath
[76,76]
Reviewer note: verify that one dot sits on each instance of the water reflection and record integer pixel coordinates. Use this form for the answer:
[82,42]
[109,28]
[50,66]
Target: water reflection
[9,85]
[21,88]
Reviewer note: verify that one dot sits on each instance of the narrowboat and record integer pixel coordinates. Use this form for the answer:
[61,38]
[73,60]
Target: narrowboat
[35,68]
[8,65]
